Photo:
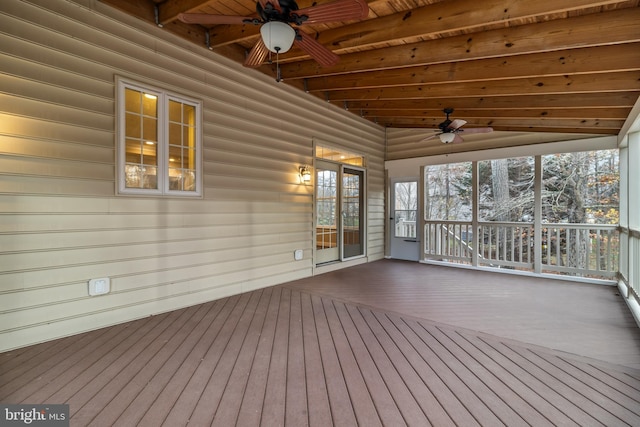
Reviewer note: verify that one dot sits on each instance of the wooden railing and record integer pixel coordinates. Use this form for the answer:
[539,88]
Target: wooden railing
[405,228]
[580,249]
[585,250]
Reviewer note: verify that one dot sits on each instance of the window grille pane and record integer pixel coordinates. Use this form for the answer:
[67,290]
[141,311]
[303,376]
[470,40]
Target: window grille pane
[182,142]
[132,101]
[150,129]
[175,133]
[150,105]
[188,158]
[150,180]
[175,111]
[189,117]
[159,141]
[133,126]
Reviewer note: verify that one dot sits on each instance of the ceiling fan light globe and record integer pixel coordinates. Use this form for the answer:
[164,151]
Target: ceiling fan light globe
[447,137]
[277,36]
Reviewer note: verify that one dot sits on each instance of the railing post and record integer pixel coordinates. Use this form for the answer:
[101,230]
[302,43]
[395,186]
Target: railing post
[474,217]
[537,217]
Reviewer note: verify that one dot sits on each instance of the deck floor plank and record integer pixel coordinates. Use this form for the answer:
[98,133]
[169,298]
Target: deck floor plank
[359,397]
[96,396]
[148,367]
[163,376]
[296,390]
[218,383]
[177,383]
[565,398]
[372,345]
[53,359]
[337,393]
[193,392]
[250,408]
[401,352]
[234,392]
[272,411]
[494,372]
[482,384]
[436,380]
[587,394]
[88,374]
[605,385]
[537,390]
[273,406]
[438,357]
[387,358]
[386,406]
[320,411]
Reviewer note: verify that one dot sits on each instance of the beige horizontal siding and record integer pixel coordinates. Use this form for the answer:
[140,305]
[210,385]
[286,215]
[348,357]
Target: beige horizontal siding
[61,222]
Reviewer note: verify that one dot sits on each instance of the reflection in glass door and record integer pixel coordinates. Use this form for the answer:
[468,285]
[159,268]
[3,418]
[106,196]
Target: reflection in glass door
[339,212]
[352,218]
[404,226]
[327,249]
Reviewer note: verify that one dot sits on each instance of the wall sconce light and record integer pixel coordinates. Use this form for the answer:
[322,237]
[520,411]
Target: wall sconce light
[305,174]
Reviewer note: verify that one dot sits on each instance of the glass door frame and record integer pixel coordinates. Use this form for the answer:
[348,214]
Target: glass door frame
[362,226]
[405,247]
[321,164]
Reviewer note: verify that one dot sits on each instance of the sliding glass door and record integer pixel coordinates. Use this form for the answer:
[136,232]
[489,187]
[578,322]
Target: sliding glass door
[339,212]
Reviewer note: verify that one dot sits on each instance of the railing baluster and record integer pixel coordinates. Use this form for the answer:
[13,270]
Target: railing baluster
[574,249]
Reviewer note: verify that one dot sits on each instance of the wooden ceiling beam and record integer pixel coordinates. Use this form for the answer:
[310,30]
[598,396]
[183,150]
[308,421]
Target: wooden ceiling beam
[585,124]
[169,10]
[580,83]
[601,128]
[222,35]
[459,15]
[619,113]
[600,59]
[445,17]
[606,28]
[558,101]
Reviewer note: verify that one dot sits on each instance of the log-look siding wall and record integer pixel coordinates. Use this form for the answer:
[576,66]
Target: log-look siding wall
[61,222]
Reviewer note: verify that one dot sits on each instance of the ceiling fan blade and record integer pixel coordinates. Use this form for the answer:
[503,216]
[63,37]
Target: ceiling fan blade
[206,19]
[318,52]
[457,123]
[457,139]
[257,55]
[339,10]
[476,130]
[431,137]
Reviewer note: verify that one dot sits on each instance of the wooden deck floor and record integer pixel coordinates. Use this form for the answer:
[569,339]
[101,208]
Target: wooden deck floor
[387,343]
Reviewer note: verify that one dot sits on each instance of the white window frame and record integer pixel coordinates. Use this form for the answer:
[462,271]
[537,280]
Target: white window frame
[164,96]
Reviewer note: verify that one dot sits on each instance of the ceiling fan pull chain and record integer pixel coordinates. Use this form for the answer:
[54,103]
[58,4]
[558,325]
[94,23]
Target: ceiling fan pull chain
[278,75]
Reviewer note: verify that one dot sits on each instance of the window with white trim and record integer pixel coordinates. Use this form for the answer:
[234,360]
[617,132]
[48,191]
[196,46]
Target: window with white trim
[159,142]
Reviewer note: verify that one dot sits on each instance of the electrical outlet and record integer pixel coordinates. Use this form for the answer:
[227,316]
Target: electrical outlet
[99,286]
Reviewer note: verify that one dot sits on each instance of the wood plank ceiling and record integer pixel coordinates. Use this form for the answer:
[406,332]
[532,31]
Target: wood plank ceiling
[561,66]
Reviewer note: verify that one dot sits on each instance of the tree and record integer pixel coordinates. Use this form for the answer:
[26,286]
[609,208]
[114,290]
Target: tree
[580,188]
[448,191]
[500,189]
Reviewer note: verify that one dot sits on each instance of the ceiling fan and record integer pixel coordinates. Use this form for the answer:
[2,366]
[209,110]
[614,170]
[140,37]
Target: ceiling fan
[450,129]
[276,19]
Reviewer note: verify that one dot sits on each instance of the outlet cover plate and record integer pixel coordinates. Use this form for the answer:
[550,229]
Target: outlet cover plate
[99,286]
